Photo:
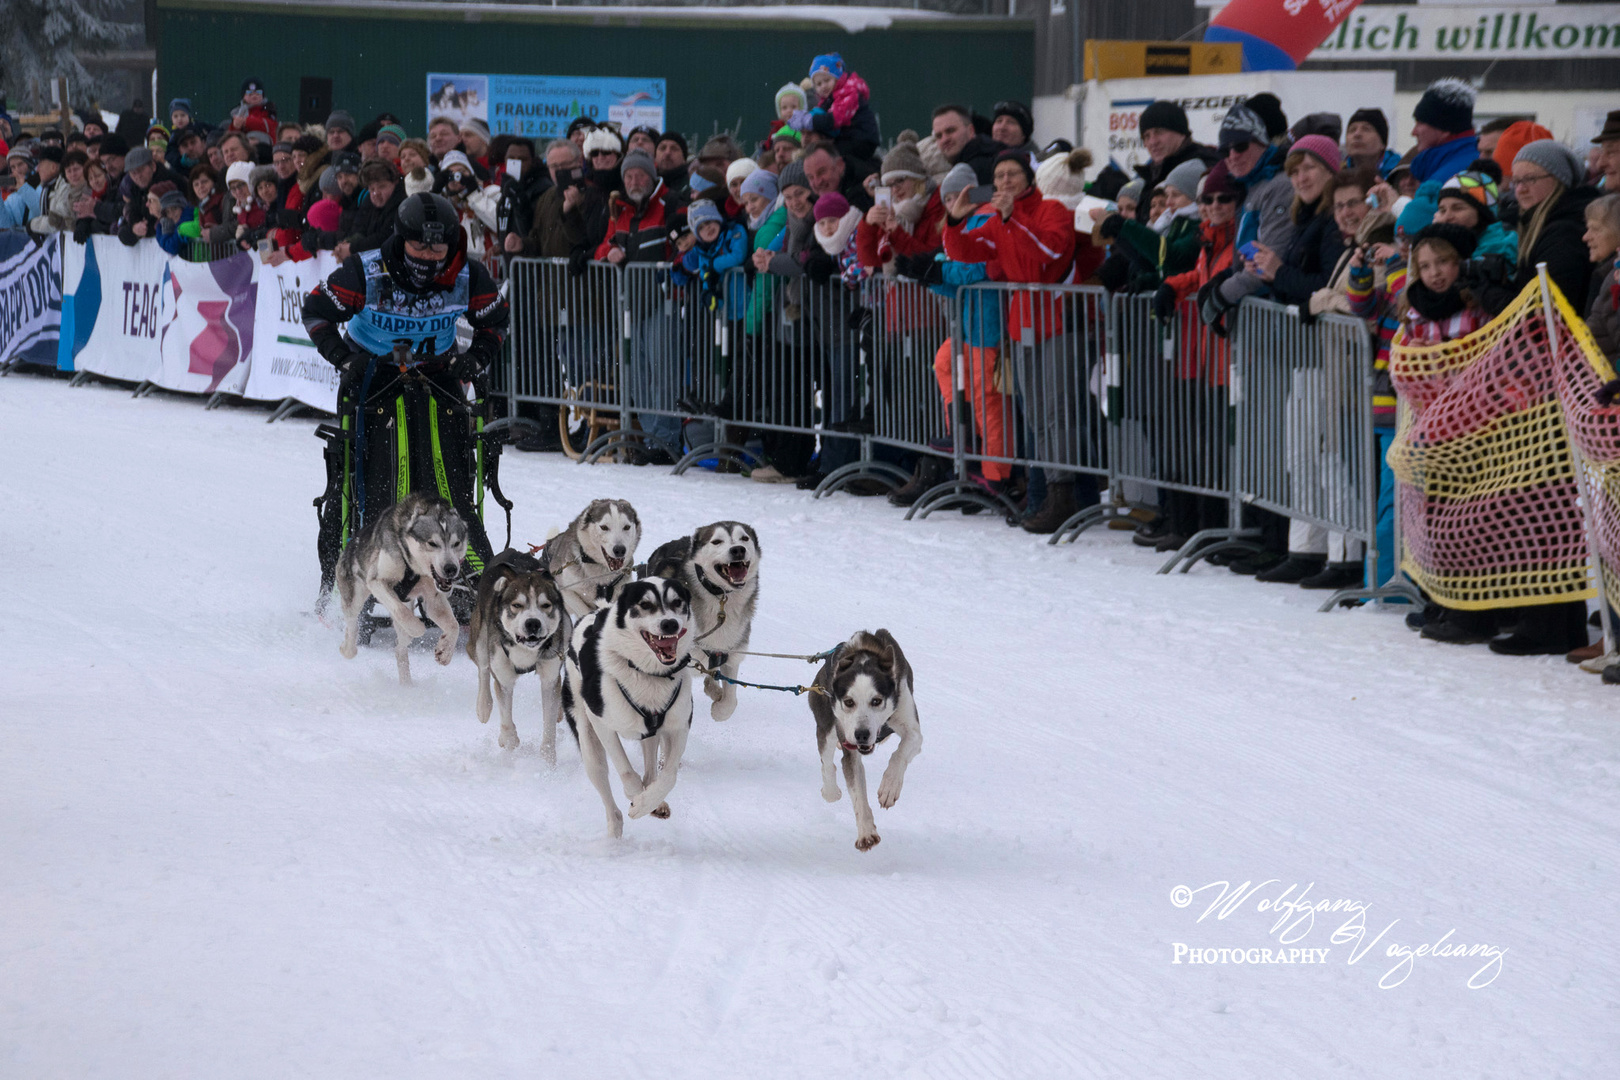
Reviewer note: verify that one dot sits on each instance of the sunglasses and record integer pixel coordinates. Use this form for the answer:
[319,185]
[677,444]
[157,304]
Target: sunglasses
[1224,200]
[1239,147]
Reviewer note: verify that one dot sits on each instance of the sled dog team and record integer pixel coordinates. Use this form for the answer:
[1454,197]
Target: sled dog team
[615,653]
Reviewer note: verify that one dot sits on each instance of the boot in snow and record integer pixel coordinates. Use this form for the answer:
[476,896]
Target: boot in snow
[930,471]
[1058,508]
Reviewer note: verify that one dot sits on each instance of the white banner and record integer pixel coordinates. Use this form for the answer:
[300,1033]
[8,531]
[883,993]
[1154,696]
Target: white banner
[285,363]
[207,337]
[1474,32]
[30,299]
[128,285]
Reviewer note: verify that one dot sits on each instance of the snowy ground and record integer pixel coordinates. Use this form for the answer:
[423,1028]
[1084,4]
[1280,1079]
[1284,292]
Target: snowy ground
[226,851]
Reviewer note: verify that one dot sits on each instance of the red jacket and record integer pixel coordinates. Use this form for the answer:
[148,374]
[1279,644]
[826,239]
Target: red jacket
[1201,352]
[643,233]
[259,118]
[1035,244]
[874,247]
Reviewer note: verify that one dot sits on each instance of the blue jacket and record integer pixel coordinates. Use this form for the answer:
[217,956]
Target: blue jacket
[23,207]
[981,308]
[707,264]
[1441,163]
[1497,239]
[1385,163]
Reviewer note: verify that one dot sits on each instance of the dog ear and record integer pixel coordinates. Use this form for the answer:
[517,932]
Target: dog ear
[886,649]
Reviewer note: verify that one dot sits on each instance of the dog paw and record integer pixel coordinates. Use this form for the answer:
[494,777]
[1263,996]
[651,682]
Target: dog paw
[509,739]
[723,708]
[616,826]
[349,651]
[867,843]
[831,794]
[713,690]
[444,649]
[662,811]
[889,791]
[640,807]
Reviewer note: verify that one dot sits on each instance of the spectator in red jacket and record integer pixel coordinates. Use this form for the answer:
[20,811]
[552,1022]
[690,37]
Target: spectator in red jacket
[1031,239]
[911,223]
[256,112]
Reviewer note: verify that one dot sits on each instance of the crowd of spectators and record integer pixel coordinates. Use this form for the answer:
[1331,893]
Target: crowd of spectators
[1321,213]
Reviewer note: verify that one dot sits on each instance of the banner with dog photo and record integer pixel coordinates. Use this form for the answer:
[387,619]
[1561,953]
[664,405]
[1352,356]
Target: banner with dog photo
[285,363]
[206,335]
[118,309]
[30,299]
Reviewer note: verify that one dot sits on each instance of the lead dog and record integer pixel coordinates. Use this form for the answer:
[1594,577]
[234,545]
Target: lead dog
[519,624]
[626,677]
[593,556]
[719,565]
[864,695]
[411,551]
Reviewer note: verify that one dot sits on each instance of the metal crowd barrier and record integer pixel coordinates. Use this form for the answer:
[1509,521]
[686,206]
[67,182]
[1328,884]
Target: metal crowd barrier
[999,375]
[205,251]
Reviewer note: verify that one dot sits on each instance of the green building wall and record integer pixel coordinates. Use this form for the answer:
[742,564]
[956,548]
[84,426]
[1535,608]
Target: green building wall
[718,69]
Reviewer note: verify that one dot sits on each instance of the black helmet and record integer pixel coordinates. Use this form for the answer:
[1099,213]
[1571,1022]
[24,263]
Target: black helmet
[425,218]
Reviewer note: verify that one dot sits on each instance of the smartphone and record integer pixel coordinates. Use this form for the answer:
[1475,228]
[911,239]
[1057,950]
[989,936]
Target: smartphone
[266,246]
[1249,250]
[514,168]
[883,196]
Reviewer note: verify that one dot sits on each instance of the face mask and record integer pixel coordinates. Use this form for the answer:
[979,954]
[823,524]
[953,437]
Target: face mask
[420,272]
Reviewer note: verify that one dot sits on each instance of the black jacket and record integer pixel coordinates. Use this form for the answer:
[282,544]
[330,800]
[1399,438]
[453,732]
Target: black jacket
[1153,173]
[373,224]
[1560,246]
[1309,261]
[980,155]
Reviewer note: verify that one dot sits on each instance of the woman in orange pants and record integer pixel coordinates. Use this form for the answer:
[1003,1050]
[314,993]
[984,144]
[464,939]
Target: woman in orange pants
[988,403]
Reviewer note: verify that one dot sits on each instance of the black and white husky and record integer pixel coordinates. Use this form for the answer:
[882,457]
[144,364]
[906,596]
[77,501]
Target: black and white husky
[411,551]
[863,697]
[519,624]
[593,556]
[719,565]
[626,677]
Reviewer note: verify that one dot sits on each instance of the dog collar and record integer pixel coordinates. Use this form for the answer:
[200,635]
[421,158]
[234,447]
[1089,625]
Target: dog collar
[708,586]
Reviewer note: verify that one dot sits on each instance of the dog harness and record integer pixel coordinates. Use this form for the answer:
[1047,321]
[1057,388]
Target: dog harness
[653,719]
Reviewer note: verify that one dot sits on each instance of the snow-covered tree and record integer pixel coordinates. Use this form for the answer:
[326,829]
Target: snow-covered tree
[39,40]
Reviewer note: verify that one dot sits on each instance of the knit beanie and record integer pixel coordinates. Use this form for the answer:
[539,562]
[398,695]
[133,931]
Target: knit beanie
[262,174]
[1241,125]
[1021,116]
[1132,190]
[184,104]
[1218,181]
[392,132]
[1166,116]
[790,90]
[793,175]
[1514,139]
[1021,158]
[1318,123]
[250,84]
[325,214]
[703,211]
[329,185]
[787,134]
[829,62]
[240,170]
[1458,237]
[761,183]
[477,127]
[113,145]
[1270,112]
[638,159]
[1478,187]
[418,180]
[341,120]
[456,157]
[1063,176]
[720,146]
[705,178]
[1321,148]
[601,139]
[1448,104]
[831,205]
[740,170]
[677,138]
[168,200]
[1184,178]
[1558,160]
[309,144]
[1375,117]
[1415,217]
[960,178]
[903,163]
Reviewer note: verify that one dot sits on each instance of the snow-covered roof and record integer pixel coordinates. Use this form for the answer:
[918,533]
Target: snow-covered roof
[851,20]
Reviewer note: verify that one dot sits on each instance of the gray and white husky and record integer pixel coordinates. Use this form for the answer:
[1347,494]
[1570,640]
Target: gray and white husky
[411,551]
[719,565]
[519,624]
[626,678]
[593,556]
[864,696]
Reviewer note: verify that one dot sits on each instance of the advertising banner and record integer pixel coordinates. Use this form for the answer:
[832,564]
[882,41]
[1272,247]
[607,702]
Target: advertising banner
[119,309]
[285,363]
[30,298]
[1277,34]
[207,337]
[542,106]
[1477,32]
